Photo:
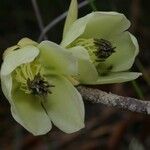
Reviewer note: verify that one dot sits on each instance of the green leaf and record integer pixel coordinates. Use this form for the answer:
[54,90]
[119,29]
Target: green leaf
[71,17]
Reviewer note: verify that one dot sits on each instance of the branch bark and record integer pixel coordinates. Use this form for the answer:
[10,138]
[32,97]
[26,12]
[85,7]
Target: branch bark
[109,99]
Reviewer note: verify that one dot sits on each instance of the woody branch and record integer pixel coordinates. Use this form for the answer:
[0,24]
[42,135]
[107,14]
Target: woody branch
[109,99]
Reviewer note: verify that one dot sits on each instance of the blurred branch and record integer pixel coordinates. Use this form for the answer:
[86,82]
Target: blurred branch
[38,16]
[57,20]
[109,99]
[93,6]
[135,14]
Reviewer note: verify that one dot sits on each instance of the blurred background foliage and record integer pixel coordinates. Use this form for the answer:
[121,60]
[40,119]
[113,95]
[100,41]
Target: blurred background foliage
[106,128]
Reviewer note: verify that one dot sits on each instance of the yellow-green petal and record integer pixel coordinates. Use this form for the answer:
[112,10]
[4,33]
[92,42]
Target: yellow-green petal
[28,111]
[105,24]
[125,52]
[56,59]
[75,31]
[26,41]
[10,49]
[71,16]
[16,58]
[6,85]
[117,77]
[87,72]
[96,25]
[65,106]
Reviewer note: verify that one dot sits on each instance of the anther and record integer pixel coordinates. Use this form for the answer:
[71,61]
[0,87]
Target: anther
[104,49]
[39,86]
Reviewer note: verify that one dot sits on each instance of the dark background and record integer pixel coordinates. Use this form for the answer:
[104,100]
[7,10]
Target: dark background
[106,128]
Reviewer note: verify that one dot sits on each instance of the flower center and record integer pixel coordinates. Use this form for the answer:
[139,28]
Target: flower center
[31,80]
[39,86]
[98,49]
[104,49]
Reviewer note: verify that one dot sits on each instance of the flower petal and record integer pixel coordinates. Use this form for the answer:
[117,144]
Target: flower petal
[118,77]
[97,25]
[87,72]
[65,106]
[56,59]
[105,24]
[28,111]
[26,41]
[18,57]
[10,49]
[79,52]
[71,17]
[6,84]
[75,31]
[125,52]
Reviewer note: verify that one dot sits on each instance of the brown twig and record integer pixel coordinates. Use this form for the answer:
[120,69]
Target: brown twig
[109,99]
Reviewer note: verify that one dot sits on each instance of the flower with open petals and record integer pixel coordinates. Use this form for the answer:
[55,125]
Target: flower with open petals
[106,51]
[34,79]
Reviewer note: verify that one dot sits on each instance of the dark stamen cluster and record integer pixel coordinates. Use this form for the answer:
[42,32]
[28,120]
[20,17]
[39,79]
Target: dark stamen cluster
[39,86]
[104,49]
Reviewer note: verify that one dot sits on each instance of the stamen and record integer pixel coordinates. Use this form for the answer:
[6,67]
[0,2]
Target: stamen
[31,80]
[88,44]
[98,49]
[29,71]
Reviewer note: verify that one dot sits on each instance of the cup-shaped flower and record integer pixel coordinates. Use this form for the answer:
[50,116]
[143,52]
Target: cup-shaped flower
[106,51]
[34,80]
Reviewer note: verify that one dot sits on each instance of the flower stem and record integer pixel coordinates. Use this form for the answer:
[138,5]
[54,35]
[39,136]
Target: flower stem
[142,69]
[137,89]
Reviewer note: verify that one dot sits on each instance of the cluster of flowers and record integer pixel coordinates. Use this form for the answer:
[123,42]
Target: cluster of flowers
[38,79]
